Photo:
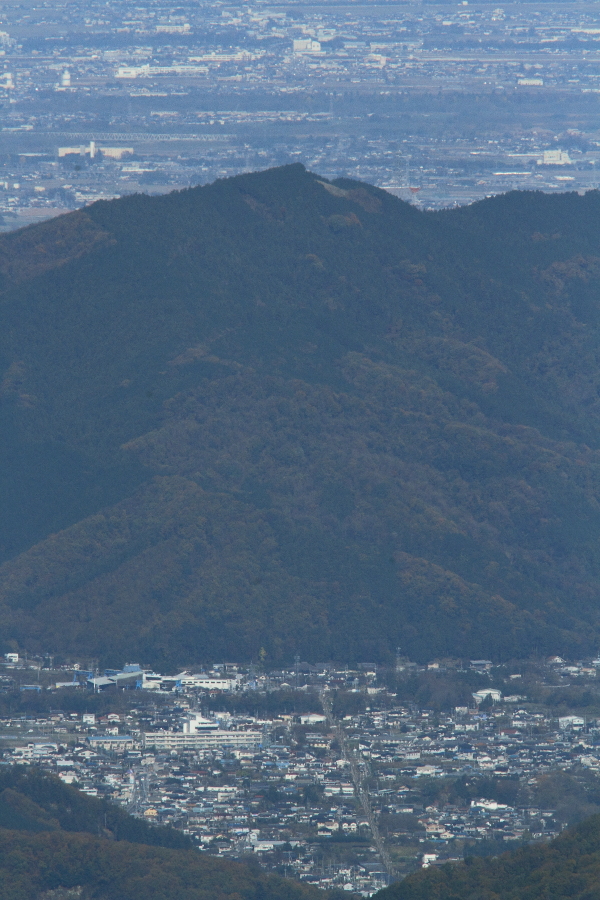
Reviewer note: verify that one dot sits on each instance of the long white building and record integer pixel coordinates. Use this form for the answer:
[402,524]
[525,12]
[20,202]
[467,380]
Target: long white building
[208,739]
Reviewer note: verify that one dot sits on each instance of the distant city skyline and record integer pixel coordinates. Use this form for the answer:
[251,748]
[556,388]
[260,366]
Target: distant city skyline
[439,103]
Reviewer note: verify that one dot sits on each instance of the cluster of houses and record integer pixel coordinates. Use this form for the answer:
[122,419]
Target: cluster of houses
[282,786]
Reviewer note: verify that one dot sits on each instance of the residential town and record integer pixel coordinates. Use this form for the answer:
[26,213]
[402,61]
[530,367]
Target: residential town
[317,771]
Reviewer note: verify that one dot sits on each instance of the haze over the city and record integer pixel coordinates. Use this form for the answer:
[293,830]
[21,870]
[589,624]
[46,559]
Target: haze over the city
[441,103]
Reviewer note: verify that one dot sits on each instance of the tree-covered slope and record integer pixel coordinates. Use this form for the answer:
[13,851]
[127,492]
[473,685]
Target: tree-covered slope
[57,843]
[568,867]
[277,412]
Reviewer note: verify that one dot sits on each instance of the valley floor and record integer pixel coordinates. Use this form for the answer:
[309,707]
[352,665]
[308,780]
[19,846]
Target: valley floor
[250,765]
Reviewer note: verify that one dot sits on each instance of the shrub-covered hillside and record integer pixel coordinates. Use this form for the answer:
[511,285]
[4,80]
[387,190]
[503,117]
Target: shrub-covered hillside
[281,413]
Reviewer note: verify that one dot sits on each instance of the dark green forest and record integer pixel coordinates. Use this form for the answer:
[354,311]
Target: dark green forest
[281,413]
[58,844]
[567,867]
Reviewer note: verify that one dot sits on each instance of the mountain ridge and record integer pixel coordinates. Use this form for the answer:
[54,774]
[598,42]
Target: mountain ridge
[282,413]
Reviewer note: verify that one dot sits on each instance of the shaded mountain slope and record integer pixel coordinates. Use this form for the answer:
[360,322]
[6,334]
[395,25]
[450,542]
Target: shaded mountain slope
[277,412]
[569,866]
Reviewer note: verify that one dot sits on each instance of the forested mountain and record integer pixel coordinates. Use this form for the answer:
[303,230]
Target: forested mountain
[277,412]
[57,844]
[567,867]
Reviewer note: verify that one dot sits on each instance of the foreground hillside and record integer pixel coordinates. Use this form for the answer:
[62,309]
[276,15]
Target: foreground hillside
[33,801]
[285,414]
[568,867]
[66,846]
